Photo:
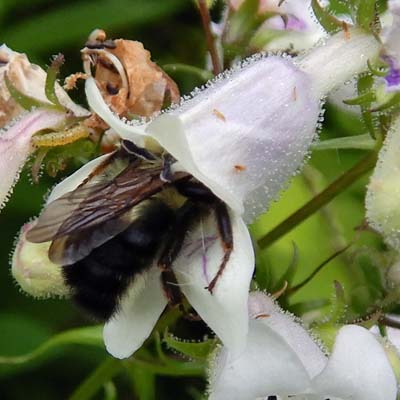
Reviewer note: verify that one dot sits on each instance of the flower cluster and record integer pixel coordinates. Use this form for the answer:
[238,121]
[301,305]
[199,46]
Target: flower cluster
[240,138]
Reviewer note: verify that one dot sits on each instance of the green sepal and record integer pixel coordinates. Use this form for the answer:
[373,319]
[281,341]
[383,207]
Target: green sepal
[362,100]
[26,102]
[51,79]
[193,350]
[365,15]
[325,18]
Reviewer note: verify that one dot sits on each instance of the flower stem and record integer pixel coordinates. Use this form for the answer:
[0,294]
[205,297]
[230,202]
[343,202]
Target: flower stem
[320,200]
[206,21]
[102,374]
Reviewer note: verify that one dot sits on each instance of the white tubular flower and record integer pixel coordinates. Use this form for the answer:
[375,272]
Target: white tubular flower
[16,146]
[247,133]
[383,194]
[282,361]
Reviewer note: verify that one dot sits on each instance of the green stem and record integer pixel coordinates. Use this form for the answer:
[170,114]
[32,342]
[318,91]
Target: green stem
[102,374]
[323,198]
[295,288]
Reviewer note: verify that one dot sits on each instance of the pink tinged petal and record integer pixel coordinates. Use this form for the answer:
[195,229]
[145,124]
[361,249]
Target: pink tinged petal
[268,366]
[285,325]
[138,313]
[358,368]
[29,79]
[225,310]
[246,133]
[15,145]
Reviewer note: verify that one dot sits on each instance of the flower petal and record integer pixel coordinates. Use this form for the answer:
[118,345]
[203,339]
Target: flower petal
[96,102]
[286,326]
[268,366]
[358,368]
[15,145]
[246,133]
[139,311]
[225,310]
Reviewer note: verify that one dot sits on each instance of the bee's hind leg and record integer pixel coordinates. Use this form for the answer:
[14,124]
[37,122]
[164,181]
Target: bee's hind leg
[225,232]
[186,215]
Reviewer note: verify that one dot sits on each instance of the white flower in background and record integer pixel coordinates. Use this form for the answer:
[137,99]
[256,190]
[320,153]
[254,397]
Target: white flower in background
[383,194]
[243,137]
[15,138]
[282,359]
[296,20]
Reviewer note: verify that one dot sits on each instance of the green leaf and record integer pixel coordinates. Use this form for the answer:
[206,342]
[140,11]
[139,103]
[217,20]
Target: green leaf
[360,142]
[197,350]
[88,336]
[202,74]
[325,18]
[365,14]
[143,382]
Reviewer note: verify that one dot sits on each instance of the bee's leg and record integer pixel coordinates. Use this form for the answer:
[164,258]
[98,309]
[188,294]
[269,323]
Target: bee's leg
[174,241]
[225,232]
[166,174]
[200,193]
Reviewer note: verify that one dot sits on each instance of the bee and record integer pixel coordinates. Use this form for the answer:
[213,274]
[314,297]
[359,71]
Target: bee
[118,222]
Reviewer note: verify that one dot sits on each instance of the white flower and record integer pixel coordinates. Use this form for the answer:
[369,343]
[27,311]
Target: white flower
[242,137]
[282,359]
[383,194]
[15,138]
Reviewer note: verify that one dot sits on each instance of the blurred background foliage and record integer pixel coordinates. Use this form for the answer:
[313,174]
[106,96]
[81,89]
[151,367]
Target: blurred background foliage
[171,30]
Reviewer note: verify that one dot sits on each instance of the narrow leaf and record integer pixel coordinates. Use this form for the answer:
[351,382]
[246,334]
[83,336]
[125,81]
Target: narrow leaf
[360,142]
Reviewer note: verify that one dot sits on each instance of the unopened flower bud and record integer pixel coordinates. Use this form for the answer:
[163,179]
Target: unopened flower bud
[33,271]
[383,195]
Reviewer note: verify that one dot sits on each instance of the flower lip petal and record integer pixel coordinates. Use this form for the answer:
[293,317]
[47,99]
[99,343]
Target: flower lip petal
[96,102]
[358,368]
[286,325]
[268,366]
[139,310]
[246,133]
[225,310]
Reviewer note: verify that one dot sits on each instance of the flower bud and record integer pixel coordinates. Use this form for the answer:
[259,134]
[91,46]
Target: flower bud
[33,271]
[383,195]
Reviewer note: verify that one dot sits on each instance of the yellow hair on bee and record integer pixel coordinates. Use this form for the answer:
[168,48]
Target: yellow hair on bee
[61,138]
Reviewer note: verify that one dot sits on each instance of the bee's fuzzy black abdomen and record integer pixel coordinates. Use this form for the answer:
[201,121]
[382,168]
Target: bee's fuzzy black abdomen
[99,280]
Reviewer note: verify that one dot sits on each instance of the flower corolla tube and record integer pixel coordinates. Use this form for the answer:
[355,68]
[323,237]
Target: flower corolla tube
[242,137]
[284,361]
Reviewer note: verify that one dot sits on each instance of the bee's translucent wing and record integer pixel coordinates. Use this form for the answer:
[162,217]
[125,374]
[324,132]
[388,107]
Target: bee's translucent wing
[91,205]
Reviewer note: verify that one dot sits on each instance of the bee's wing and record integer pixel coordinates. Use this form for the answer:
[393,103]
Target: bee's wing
[93,213]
